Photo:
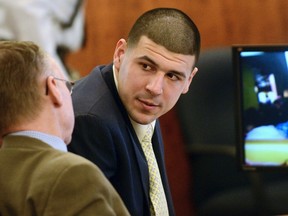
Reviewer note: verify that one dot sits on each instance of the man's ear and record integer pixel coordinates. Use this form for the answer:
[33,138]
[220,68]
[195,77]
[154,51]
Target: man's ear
[54,92]
[120,49]
[193,73]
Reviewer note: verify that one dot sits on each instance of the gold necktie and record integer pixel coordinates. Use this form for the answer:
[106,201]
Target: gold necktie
[157,195]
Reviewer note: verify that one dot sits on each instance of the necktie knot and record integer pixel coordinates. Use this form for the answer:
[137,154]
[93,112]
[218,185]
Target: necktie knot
[148,135]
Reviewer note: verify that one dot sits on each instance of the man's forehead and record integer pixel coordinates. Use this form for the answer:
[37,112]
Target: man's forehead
[148,50]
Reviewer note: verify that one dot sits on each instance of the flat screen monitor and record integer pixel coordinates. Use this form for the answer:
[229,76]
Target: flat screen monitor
[262,105]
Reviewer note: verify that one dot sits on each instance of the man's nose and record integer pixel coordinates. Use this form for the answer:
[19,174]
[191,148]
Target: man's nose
[155,85]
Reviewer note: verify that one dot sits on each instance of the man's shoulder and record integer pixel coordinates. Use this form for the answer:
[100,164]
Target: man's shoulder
[92,92]
[67,162]
[92,81]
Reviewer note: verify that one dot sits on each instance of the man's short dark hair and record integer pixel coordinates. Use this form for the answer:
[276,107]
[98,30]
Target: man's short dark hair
[167,27]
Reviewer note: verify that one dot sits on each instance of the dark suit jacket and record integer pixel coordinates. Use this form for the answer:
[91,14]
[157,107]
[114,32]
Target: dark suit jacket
[36,179]
[104,134]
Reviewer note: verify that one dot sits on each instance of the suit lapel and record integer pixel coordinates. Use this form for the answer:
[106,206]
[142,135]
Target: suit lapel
[158,148]
[141,161]
[107,74]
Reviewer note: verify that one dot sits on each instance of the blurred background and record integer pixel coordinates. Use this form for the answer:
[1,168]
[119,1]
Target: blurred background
[221,23]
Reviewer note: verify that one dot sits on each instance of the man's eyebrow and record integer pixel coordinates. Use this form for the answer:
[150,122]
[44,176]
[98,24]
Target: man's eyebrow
[181,74]
[146,58]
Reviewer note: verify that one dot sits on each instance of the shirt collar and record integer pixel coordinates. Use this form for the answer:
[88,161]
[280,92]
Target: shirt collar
[141,129]
[53,141]
[115,79]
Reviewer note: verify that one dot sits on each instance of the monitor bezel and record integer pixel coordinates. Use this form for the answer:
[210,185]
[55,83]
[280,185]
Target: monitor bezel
[240,142]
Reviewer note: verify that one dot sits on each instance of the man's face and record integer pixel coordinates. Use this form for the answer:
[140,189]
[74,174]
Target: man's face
[151,78]
[66,112]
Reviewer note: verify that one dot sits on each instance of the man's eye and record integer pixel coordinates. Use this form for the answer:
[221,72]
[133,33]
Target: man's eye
[173,76]
[146,67]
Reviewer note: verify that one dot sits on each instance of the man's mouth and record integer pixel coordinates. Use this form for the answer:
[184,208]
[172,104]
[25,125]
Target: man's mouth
[148,104]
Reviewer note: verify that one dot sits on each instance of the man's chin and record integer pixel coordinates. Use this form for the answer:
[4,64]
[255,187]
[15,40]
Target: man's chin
[67,141]
[142,119]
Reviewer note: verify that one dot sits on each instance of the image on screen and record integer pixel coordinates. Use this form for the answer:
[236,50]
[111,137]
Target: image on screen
[262,86]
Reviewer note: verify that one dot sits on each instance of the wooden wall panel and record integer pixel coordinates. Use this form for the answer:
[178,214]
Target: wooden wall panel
[221,23]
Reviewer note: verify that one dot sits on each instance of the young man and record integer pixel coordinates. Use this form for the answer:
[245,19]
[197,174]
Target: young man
[116,104]
[37,174]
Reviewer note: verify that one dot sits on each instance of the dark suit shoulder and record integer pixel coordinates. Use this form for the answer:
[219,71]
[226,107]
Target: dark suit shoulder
[92,94]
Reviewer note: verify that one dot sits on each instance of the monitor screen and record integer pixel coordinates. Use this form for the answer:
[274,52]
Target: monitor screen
[262,105]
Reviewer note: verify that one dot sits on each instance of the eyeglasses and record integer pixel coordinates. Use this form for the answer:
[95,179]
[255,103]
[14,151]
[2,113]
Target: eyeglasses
[69,84]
